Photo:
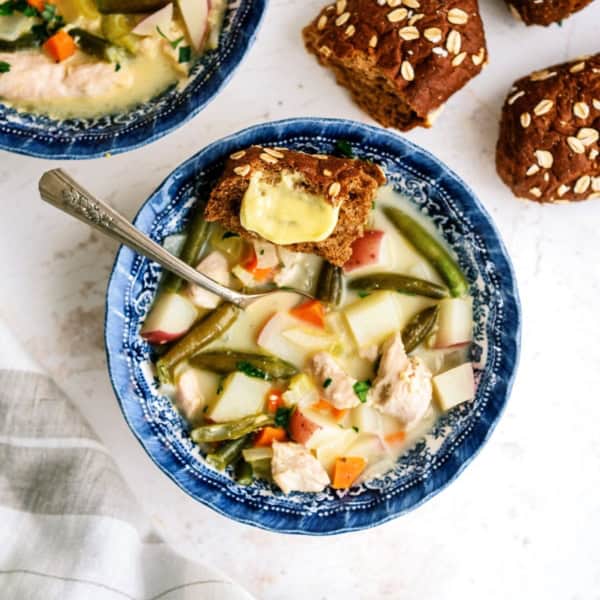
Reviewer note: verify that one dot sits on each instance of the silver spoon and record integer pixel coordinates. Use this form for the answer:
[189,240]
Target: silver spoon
[60,190]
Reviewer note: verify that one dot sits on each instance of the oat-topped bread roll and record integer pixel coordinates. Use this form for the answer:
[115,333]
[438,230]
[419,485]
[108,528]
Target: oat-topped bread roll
[400,59]
[548,147]
[544,12]
[305,202]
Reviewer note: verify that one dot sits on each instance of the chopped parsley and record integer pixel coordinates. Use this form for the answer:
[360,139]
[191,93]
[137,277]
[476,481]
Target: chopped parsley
[117,66]
[249,369]
[361,389]
[363,294]
[373,205]
[30,11]
[49,12]
[185,54]
[229,234]
[282,416]
[344,148]
[262,251]
[327,383]
[4,67]
[355,428]
[6,8]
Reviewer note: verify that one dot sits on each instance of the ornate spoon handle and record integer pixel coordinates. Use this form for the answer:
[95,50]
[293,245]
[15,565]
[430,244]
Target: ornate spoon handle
[60,190]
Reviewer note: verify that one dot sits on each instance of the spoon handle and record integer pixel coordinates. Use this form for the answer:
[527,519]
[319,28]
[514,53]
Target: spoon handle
[60,190]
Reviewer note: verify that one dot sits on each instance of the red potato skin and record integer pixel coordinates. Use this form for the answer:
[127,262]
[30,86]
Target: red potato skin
[161,337]
[365,250]
[301,428]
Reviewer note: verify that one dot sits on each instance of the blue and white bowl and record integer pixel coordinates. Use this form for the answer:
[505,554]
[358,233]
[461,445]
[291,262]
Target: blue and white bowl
[45,137]
[433,462]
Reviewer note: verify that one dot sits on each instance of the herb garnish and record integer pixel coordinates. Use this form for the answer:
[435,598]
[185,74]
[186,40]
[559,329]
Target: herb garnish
[361,389]
[185,54]
[327,383]
[172,43]
[344,148]
[363,294]
[355,428]
[249,369]
[4,66]
[282,416]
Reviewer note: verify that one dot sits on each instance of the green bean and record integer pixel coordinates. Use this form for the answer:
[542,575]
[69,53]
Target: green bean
[254,365]
[130,6]
[431,250]
[96,46]
[231,430]
[419,327]
[198,234]
[400,283]
[243,473]
[330,284]
[27,40]
[228,453]
[204,332]
[261,469]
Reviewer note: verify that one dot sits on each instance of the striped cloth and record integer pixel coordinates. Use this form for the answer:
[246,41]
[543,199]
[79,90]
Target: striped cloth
[70,528]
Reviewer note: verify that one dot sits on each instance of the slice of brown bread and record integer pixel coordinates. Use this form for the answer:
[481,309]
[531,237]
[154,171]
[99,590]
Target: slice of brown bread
[351,183]
[400,61]
[549,144]
[544,12]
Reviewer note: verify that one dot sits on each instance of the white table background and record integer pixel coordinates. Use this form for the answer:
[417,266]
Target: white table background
[523,521]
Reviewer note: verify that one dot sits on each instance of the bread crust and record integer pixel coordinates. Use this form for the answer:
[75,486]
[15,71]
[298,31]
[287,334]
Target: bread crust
[545,12]
[548,149]
[350,183]
[400,62]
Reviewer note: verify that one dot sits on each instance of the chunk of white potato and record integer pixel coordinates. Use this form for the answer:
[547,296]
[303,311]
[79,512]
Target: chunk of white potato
[373,318]
[195,388]
[272,340]
[266,254]
[301,391]
[368,446]
[367,419]
[294,468]
[309,338]
[454,386]
[241,396]
[455,322]
[337,446]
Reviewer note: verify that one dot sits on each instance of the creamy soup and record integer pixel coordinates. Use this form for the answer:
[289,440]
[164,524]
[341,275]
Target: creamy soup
[309,393]
[68,59]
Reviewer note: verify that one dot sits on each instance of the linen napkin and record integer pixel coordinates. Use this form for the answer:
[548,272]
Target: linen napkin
[70,529]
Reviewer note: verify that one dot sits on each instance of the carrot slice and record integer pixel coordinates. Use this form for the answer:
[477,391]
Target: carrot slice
[395,438]
[312,312]
[274,400]
[324,407]
[267,435]
[346,471]
[251,265]
[39,5]
[60,46]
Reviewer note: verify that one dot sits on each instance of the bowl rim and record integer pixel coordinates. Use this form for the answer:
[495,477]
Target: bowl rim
[21,143]
[479,434]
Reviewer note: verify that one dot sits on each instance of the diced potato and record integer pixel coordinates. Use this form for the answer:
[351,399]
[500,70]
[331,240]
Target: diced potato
[301,391]
[368,446]
[195,388]
[272,340]
[309,338]
[455,322]
[266,254]
[327,452]
[454,386]
[373,318]
[241,396]
[366,419]
[313,428]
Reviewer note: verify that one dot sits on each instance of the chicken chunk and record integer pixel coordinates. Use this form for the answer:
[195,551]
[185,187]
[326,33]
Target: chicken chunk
[402,388]
[216,267]
[337,387]
[294,468]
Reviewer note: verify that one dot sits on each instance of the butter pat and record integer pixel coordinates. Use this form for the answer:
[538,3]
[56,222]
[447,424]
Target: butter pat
[284,213]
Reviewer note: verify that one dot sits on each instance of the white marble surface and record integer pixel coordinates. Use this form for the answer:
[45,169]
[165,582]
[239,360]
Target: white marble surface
[523,521]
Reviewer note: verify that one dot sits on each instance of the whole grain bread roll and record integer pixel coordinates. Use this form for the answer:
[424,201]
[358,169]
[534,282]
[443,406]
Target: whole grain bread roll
[544,12]
[400,59]
[548,146]
[348,183]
